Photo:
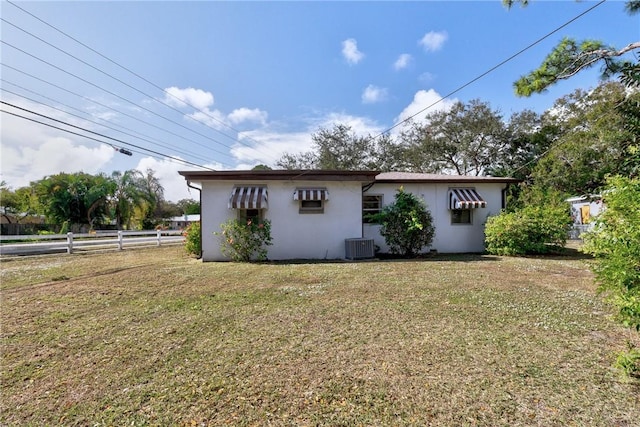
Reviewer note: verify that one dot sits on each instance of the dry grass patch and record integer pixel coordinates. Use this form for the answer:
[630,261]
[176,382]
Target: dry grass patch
[151,337]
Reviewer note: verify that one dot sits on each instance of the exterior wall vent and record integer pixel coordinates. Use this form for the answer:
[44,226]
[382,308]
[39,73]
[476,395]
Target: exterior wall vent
[359,248]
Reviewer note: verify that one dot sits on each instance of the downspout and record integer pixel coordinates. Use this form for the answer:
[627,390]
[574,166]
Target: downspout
[200,199]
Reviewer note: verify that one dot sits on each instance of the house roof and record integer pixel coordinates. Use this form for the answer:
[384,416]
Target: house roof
[337,175]
[280,175]
[395,177]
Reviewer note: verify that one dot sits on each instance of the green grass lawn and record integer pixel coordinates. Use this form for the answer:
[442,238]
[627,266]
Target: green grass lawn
[152,337]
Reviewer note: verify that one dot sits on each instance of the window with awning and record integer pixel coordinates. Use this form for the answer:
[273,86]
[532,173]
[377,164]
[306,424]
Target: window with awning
[465,198]
[248,198]
[311,199]
[311,194]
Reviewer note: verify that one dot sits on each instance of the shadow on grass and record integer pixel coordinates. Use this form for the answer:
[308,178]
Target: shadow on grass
[570,252]
[463,257]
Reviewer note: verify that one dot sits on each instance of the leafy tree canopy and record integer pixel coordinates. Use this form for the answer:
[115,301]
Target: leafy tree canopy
[81,198]
[465,140]
[571,56]
[339,148]
[592,141]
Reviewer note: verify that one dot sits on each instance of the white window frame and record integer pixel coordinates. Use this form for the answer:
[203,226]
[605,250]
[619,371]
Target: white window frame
[367,211]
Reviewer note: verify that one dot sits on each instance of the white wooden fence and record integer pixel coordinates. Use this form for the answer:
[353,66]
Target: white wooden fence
[70,242]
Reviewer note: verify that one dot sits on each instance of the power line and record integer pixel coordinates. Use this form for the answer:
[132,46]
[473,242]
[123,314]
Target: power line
[91,132]
[112,93]
[116,110]
[128,85]
[375,137]
[490,70]
[206,113]
[75,133]
[142,138]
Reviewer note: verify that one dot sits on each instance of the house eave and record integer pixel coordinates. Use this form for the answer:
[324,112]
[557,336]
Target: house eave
[279,175]
[406,177]
[339,175]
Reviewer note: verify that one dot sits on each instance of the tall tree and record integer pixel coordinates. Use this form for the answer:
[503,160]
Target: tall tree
[150,213]
[629,109]
[128,194]
[593,141]
[97,198]
[19,204]
[189,206]
[528,136]
[570,57]
[78,198]
[464,140]
[337,148]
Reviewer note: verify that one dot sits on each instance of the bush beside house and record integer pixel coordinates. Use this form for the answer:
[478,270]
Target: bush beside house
[615,242]
[407,225]
[537,226]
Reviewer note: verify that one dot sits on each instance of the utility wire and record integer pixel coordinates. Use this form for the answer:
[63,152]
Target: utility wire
[112,93]
[373,138]
[490,70]
[83,136]
[91,132]
[130,86]
[142,138]
[206,113]
[117,111]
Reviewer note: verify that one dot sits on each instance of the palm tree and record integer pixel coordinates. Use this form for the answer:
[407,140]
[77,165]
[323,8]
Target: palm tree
[129,194]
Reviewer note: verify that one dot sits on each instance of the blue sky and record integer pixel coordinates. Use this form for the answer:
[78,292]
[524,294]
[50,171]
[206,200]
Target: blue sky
[259,77]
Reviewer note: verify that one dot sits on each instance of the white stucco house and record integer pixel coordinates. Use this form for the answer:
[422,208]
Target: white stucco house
[320,214]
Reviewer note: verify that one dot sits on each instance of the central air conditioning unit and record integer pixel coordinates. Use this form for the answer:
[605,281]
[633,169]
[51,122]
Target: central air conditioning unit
[359,248]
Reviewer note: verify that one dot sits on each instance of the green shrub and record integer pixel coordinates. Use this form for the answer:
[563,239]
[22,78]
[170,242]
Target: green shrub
[629,361]
[407,225]
[615,242]
[245,241]
[533,229]
[193,242]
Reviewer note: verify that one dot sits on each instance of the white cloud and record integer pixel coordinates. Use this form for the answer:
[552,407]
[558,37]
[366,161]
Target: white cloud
[273,144]
[402,62]
[241,115]
[213,118]
[267,147]
[433,40]
[350,51]
[21,165]
[197,98]
[427,100]
[373,94]
[218,120]
[32,151]
[359,125]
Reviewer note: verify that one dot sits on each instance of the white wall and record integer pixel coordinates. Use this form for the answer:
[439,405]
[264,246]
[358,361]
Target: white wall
[449,238]
[295,235]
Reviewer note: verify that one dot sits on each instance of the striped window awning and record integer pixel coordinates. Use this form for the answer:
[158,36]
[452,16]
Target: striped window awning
[248,198]
[465,198]
[311,194]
